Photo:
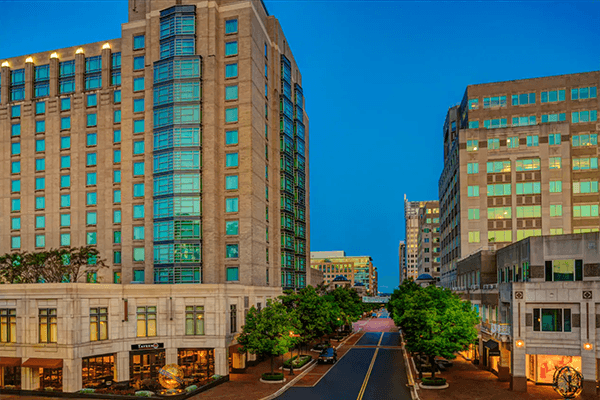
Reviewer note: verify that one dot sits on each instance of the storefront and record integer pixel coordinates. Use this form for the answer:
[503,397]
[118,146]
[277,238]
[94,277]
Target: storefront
[145,360]
[98,371]
[491,355]
[49,371]
[198,365]
[10,372]
[540,368]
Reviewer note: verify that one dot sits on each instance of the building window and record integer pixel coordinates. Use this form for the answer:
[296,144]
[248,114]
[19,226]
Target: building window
[495,123]
[527,188]
[523,99]
[231,26]
[564,270]
[231,137]
[65,220]
[138,254]
[91,238]
[583,93]
[40,107]
[65,143]
[231,182]
[552,96]
[146,321]
[116,156]
[551,320]
[138,211]
[138,84]
[493,144]
[585,140]
[138,63]
[472,145]
[554,139]
[585,211]
[48,325]
[138,275]
[473,237]
[585,187]
[40,126]
[555,163]
[117,116]
[560,117]
[473,191]
[231,92]
[533,141]
[473,213]
[231,70]
[233,316]
[231,227]
[584,116]
[555,186]
[231,204]
[496,101]
[528,165]
[232,251]
[8,325]
[194,320]
[139,42]
[231,160]
[98,324]
[138,147]
[138,169]
[556,210]
[231,115]
[580,164]
[231,48]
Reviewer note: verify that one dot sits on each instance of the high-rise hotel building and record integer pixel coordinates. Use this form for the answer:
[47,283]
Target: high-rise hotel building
[520,160]
[180,151]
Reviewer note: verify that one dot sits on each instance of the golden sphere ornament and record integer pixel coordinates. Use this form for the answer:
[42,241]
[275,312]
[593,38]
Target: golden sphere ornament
[170,376]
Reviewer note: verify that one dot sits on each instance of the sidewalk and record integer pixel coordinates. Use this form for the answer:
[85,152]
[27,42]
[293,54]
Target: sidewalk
[467,382]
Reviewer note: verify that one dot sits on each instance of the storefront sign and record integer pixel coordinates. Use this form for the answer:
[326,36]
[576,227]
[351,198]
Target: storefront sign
[148,346]
[494,353]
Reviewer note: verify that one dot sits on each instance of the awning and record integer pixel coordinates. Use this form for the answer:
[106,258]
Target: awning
[51,363]
[491,344]
[10,361]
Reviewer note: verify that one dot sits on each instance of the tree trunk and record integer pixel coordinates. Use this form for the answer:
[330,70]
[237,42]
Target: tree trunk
[271,364]
[432,362]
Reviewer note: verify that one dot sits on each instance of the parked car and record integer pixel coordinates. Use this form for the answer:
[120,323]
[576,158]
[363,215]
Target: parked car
[328,355]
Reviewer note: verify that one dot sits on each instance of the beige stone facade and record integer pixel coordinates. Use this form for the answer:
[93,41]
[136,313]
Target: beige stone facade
[520,160]
[126,241]
[73,305]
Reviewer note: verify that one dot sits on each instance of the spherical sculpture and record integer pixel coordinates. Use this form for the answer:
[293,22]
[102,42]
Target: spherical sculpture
[170,376]
[568,382]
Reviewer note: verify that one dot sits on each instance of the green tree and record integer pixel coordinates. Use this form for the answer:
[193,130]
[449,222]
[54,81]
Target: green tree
[396,304]
[436,322]
[268,331]
[313,313]
[12,268]
[348,301]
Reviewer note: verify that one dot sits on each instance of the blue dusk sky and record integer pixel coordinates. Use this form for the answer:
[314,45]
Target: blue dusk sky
[378,78]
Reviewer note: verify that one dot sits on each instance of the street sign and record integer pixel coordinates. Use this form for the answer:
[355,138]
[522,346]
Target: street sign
[375,299]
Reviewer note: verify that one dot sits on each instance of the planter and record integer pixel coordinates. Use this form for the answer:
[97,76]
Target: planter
[302,368]
[445,386]
[277,377]
[433,383]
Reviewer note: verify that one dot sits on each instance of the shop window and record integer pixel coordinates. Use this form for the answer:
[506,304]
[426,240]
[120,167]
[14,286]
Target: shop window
[97,371]
[145,364]
[12,378]
[48,325]
[8,325]
[198,365]
[51,379]
[146,321]
[98,324]
[552,319]
[194,320]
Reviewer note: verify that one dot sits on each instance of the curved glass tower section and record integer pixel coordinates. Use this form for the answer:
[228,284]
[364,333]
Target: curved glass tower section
[177,150]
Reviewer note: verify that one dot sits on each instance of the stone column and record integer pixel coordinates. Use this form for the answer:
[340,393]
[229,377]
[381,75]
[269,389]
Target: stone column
[29,77]
[221,361]
[54,71]
[79,72]
[106,64]
[72,379]
[5,84]
[503,367]
[518,378]
[171,355]
[30,378]
[122,365]
[588,357]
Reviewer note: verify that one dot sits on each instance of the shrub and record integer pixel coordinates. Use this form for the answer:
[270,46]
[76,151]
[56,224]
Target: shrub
[433,381]
[191,388]
[276,376]
[298,363]
[87,390]
[144,393]
[215,377]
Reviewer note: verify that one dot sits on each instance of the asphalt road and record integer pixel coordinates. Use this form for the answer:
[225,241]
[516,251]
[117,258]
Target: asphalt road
[350,378]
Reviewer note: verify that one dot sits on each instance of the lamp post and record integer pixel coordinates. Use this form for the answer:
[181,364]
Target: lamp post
[292,334]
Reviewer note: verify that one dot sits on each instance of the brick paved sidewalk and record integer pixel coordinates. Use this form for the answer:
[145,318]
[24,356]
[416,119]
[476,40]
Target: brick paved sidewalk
[468,382]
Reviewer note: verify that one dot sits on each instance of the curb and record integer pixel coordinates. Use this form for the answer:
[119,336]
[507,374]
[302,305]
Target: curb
[411,382]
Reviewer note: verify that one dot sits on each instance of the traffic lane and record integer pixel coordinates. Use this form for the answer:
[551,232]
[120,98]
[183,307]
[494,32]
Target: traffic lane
[388,378]
[390,339]
[369,339]
[343,381]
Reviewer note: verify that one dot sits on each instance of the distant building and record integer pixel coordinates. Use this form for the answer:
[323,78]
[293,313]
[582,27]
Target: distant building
[428,239]
[402,261]
[354,268]
[412,232]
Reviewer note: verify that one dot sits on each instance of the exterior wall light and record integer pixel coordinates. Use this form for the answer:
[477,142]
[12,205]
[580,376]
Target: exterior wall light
[79,51]
[519,343]
[54,55]
[106,46]
[5,64]
[588,346]
[29,60]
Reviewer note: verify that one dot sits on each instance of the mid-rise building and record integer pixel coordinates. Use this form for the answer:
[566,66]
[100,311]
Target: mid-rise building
[520,160]
[357,269]
[428,239]
[180,151]
[411,219]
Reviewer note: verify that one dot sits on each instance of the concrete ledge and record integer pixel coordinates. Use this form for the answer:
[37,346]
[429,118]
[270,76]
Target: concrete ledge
[263,381]
[444,386]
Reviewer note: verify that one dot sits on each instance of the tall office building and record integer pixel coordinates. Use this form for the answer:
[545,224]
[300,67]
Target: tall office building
[180,151]
[165,148]
[357,269]
[428,239]
[411,219]
[520,159]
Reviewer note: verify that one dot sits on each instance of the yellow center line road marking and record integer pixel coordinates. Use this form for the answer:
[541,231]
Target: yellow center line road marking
[380,339]
[364,385]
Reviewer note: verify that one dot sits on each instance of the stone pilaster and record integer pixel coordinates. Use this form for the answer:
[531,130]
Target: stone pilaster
[79,73]
[29,77]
